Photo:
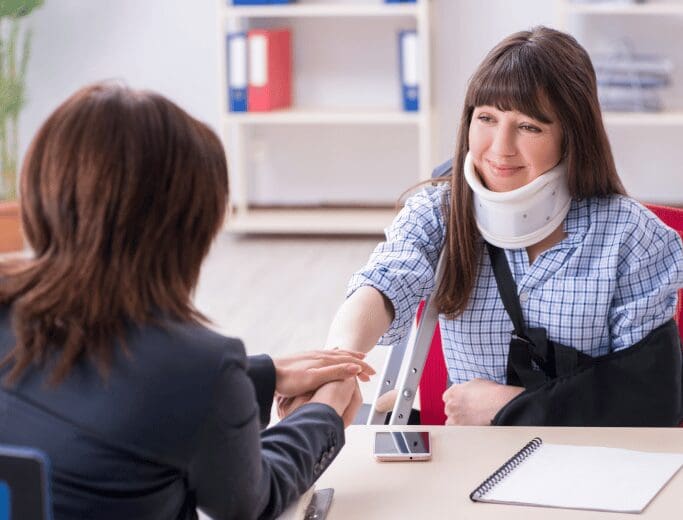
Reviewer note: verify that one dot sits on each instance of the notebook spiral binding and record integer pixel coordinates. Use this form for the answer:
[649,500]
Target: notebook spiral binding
[506,468]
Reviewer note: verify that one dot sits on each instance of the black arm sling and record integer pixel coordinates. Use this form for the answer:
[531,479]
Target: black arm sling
[637,386]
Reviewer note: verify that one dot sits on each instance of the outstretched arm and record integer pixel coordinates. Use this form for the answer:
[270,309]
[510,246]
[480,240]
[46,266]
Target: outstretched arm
[361,320]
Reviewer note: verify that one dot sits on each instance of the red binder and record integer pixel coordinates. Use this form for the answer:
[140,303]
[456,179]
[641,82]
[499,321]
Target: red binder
[270,69]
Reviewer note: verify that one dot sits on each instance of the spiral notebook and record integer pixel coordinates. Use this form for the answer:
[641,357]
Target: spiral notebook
[579,477]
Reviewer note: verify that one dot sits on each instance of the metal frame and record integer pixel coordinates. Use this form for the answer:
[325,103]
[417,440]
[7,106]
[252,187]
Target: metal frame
[414,349]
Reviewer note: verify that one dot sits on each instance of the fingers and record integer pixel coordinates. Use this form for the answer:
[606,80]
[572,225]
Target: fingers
[335,350]
[346,359]
[316,377]
[320,376]
[321,358]
[322,354]
[385,402]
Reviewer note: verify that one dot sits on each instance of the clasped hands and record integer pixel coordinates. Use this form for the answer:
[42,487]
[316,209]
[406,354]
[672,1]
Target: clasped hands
[322,376]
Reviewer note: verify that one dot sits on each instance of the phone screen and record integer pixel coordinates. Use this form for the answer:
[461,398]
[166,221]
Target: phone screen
[402,443]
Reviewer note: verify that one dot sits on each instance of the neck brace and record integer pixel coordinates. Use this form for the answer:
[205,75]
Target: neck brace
[519,218]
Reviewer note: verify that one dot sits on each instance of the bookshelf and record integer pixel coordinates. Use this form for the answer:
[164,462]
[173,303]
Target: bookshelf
[568,9]
[339,115]
[662,8]
[645,144]
[667,118]
[318,10]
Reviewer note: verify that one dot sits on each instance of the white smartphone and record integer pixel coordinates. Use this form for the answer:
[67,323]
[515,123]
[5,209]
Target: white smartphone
[396,446]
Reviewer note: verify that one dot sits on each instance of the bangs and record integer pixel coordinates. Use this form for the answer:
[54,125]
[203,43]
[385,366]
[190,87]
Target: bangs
[516,81]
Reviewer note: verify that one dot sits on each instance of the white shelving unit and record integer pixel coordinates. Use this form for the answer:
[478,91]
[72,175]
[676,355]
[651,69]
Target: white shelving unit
[661,8]
[567,8]
[314,10]
[645,144]
[668,118]
[246,134]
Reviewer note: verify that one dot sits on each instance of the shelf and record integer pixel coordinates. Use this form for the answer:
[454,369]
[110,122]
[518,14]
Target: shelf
[643,118]
[301,116]
[627,9]
[346,221]
[321,10]
[345,106]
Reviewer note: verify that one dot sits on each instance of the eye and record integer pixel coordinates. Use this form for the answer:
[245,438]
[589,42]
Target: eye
[485,118]
[530,128]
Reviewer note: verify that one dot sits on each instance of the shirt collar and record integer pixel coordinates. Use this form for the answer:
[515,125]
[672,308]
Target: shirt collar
[576,223]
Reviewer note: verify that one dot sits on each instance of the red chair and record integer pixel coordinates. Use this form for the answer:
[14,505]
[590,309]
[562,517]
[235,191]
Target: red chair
[434,375]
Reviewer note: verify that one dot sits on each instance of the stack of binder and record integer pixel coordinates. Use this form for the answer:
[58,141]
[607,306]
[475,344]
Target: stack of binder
[630,81]
[259,70]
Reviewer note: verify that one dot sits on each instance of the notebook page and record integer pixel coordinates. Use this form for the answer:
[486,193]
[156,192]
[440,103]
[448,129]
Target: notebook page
[587,477]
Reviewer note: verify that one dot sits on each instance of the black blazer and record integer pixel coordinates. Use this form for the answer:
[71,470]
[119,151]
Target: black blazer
[175,425]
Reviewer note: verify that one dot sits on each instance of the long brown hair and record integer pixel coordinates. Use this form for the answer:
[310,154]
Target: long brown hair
[122,193]
[527,71]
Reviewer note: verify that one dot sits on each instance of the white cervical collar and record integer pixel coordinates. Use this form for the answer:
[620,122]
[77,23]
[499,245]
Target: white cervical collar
[520,218]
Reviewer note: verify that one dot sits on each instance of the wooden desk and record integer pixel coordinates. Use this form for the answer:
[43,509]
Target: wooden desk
[462,458]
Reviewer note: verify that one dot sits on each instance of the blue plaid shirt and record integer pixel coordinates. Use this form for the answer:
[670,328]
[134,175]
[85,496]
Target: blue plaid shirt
[611,281]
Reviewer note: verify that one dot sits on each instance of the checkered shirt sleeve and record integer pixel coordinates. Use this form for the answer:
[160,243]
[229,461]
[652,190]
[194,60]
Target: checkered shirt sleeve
[649,275]
[402,267]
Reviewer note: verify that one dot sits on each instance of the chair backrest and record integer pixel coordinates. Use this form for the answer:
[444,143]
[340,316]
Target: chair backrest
[435,376]
[24,484]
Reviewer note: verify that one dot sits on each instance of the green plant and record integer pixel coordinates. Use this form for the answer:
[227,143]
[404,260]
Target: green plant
[15,45]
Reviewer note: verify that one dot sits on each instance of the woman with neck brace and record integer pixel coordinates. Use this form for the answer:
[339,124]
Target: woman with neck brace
[533,174]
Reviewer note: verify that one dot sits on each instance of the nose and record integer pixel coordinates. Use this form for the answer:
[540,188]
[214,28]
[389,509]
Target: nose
[503,143]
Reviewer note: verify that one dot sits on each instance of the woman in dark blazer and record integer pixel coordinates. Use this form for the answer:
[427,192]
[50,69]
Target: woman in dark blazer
[106,365]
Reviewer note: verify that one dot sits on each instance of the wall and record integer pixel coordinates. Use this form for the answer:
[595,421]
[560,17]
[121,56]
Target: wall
[464,31]
[165,45]
[171,46]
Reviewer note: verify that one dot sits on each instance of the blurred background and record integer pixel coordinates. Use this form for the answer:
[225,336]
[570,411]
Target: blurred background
[314,183]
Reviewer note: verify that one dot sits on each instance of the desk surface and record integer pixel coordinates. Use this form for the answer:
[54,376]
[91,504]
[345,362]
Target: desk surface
[462,458]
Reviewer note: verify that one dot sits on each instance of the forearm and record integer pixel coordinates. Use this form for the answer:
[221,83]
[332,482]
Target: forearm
[361,320]
[295,452]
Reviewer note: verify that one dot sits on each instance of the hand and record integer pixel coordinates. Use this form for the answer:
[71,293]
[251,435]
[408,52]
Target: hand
[306,372]
[385,402]
[476,402]
[344,396]
[286,405]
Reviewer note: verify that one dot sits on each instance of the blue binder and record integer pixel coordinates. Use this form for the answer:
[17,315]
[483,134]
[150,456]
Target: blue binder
[408,56]
[5,505]
[237,71]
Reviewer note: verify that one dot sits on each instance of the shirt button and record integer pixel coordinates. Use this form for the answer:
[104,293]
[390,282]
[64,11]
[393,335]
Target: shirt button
[523,297]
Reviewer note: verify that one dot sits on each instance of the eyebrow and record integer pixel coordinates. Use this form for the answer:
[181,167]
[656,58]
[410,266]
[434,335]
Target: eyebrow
[549,121]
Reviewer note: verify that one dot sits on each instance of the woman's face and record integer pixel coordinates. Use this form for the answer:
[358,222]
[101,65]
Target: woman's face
[510,149]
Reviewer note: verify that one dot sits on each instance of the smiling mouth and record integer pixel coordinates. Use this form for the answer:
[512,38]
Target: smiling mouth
[504,169]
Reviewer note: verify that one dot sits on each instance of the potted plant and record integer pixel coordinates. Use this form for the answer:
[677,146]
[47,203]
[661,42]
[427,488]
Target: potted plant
[15,43]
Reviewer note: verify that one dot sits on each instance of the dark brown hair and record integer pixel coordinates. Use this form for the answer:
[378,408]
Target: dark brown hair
[122,193]
[528,71]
